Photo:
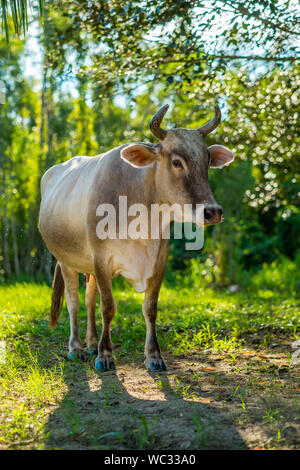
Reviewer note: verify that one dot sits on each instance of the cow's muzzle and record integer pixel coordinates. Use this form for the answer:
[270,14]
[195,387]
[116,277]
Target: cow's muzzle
[213,214]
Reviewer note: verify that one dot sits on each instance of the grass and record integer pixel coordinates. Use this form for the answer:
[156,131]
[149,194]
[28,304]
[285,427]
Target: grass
[233,350]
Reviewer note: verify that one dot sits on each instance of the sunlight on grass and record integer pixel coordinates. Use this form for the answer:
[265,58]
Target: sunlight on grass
[33,376]
[44,386]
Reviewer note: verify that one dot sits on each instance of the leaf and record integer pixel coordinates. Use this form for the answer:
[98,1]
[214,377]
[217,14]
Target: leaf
[206,400]
[110,434]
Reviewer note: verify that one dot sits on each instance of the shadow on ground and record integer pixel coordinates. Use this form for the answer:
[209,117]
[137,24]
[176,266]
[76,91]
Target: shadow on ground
[133,409]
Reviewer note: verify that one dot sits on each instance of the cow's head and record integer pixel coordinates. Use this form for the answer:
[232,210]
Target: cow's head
[183,163]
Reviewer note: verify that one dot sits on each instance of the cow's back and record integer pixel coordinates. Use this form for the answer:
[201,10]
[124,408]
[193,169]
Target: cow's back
[65,193]
[67,182]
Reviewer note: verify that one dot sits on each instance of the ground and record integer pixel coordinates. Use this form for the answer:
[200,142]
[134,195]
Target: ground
[233,379]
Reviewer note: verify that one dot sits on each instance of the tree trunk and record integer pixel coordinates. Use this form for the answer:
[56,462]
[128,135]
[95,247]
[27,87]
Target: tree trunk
[15,244]
[7,266]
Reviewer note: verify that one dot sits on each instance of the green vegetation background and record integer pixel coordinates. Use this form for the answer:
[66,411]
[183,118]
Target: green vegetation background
[42,123]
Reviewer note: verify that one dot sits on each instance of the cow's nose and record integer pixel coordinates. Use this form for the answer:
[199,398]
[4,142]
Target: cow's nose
[213,214]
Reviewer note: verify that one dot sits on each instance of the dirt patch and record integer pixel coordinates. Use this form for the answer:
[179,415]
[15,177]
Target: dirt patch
[204,401]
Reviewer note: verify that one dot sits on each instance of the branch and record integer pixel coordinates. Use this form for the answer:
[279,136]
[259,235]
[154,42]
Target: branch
[244,11]
[234,57]
[266,59]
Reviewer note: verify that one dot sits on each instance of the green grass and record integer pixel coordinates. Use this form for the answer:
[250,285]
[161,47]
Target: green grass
[36,376]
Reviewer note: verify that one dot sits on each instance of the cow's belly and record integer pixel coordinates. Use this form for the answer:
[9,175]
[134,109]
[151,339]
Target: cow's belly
[135,261]
[82,262]
[66,241]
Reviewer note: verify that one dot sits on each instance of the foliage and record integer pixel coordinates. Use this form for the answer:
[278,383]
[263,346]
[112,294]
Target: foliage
[259,191]
[280,276]
[20,11]
[172,42]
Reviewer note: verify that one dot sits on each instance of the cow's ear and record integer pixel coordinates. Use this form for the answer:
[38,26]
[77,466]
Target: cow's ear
[139,155]
[220,156]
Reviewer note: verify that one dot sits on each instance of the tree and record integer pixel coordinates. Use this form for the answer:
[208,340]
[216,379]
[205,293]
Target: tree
[19,10]
[154,51]
[173,41]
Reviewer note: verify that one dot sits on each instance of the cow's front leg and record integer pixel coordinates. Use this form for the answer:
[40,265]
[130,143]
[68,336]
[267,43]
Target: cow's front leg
[153,361]
[71,290]
[105,359]
[91,294]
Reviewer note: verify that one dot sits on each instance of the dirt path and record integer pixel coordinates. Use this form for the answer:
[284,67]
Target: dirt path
[204,401]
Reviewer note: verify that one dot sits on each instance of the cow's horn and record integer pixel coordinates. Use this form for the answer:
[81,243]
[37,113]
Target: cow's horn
[211,125]
[156,121]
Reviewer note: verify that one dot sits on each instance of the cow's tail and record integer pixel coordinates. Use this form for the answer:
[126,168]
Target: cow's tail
[58,288]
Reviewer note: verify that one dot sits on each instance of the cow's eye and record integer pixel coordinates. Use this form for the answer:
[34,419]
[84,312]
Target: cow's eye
[177,163]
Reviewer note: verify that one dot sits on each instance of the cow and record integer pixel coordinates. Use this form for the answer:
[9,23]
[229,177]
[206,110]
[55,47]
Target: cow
[172,171]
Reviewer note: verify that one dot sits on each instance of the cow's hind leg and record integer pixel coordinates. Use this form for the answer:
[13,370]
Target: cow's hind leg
[71,290]
[91,295]
[105,359]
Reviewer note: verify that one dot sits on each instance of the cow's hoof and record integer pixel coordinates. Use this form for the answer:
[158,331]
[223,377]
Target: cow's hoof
[156,365]
[72,356]
[105,364]
[91,351]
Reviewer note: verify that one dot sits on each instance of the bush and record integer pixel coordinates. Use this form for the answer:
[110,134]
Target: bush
[280,275]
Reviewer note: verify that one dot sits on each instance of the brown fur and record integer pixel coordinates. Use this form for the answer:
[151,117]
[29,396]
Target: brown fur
[58,288]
